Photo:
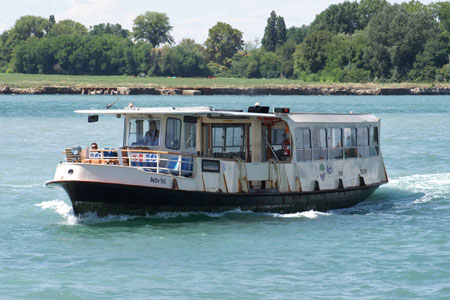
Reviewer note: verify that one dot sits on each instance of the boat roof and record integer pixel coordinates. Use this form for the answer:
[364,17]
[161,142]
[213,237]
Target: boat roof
[207,110]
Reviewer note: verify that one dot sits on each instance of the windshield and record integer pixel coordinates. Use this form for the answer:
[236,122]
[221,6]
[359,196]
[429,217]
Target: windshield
[144,132]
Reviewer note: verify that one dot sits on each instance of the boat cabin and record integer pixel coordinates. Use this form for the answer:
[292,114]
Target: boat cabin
[206,159]
[247,151]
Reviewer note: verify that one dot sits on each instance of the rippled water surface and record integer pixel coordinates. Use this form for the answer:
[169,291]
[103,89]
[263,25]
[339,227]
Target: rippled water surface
[395,245]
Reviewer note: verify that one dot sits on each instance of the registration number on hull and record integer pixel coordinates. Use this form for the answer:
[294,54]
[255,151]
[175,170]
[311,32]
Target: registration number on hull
[160,181]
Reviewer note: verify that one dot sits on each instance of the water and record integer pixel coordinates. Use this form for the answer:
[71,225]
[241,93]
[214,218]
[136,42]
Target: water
[395,245]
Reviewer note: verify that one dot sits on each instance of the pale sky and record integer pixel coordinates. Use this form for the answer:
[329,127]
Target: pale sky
[190,19]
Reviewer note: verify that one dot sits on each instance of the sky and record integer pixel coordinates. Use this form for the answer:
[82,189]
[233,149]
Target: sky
[190,19]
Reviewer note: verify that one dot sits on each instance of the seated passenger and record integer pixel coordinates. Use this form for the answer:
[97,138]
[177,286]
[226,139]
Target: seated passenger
[151,137]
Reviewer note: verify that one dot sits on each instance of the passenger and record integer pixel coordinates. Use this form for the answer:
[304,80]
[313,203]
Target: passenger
[94,153]
[152,136]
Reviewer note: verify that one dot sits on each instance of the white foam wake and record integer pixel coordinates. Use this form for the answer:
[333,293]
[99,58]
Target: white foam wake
[431,185]
[66,211]
[61,208]
[310,214]
[169,215]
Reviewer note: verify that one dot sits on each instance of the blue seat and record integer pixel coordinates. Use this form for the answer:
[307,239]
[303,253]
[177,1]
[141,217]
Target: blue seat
[174,166]
[109,153]
[187,165]
[144,164]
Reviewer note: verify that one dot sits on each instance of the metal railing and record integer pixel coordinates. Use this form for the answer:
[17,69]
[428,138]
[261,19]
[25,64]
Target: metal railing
[164,162]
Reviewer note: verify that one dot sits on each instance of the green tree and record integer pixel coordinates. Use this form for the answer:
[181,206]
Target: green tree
[338,56]
[245,64]
[338,18]
[269,40]
[114,29]
[285,54]
[311,55]
[185,60]
[431,60]
[441,10]
[28,26]
[50,23]
[222,43]
[143,59]
[4,51]
[281,32]
[68,27]
[63,46]
[275,33]
[297,34]
[395,37]
[153,27]
[414,6]
[269,65]
[369,8]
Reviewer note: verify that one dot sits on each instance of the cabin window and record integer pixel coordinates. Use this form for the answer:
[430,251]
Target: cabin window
[336,149]
[228,141]
[363,142]
[350,147]
[320,143]
[234,138]
[144,132]
[218,135]
[303,144]
[374,141]
[173,132]
[277,140]
[190,130]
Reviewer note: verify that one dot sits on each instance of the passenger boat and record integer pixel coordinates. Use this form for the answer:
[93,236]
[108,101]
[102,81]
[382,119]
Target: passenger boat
[213,160]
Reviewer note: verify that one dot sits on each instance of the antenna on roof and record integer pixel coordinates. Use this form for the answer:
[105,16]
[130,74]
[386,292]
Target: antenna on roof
[111,104]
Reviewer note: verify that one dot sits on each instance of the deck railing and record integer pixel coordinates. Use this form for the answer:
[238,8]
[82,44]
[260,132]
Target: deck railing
[164,162]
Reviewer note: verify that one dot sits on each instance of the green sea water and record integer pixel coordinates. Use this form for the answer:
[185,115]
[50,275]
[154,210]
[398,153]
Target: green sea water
[394,245]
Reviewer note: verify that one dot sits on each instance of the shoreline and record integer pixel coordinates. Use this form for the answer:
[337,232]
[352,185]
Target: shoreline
[250,91]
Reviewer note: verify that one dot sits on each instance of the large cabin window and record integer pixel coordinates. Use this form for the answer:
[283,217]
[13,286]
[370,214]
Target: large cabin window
[350,146]
[218,134]
[228,140]
[374,141]
[320,143]
[144,132]
[190,130]
[303,144]
[336,149]
[277,140]
[173,132]
[363,142]
[234,138]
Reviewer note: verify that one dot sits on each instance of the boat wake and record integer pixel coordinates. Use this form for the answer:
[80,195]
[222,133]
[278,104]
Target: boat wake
[61,208]
[310,214]
[65,210]
[170,215]
[431,186]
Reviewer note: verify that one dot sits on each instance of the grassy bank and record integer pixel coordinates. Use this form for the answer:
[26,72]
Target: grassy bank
[37,80]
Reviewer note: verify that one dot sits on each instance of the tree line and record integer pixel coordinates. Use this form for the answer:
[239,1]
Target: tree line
[369,40]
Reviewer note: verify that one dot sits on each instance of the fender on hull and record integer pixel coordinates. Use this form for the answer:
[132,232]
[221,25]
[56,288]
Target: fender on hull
[114,199]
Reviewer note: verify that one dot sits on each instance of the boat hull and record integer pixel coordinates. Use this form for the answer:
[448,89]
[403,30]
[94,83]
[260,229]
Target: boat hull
[116,199]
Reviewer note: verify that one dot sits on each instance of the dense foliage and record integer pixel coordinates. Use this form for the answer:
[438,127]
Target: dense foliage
[369,40]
